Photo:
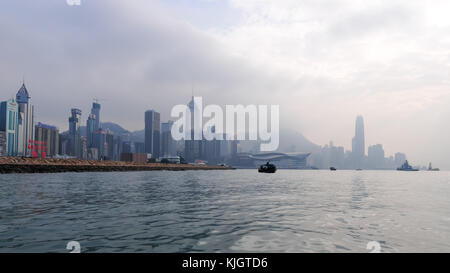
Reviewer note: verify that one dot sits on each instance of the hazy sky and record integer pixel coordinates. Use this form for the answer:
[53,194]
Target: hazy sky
[323,62]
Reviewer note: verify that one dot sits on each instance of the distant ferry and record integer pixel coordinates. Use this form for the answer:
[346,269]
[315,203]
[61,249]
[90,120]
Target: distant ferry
[406,167]
[430,168]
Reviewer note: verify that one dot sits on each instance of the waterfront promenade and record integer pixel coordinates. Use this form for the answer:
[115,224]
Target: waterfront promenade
[38,165]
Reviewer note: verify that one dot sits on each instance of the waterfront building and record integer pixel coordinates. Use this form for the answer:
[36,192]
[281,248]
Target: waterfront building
[358,143]
[64,144]
[9,112]
[192,148]
[49,137]
[376,158]
[399,159]
[126,147]
[152,133]
[100,144]
[84,148]
[133,157]
[95,112]
[74,133]
[168,147]
[117,148]
[3,143]
[25,122]
[90,129]
[93,124]
[138,147]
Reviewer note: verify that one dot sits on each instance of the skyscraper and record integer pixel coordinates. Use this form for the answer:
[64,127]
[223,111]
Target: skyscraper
[3,150]
[152,133]
[358,143]
[25,122]
[192,147]
[96,112]
[375,156]
[167,142]
[90,130]
[74,133]
[93,124]
[49,135]
[8,124]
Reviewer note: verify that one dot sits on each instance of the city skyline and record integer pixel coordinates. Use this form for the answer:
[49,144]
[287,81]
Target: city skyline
[369,59]
[100,143]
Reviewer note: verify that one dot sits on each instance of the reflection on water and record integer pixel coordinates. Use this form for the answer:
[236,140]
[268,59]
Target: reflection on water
[225,211]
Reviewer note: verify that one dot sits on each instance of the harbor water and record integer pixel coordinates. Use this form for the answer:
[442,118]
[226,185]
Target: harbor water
[226,211]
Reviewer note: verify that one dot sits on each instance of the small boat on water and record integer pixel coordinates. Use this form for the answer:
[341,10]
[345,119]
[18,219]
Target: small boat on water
[430,168]
[267,168]
[333,169]
[407,168]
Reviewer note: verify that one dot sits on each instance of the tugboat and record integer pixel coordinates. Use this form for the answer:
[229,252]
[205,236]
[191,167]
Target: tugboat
[406,167]
[267,168]
[430,168]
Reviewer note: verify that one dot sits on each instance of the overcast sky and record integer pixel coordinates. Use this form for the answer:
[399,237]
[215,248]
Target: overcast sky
[323,61]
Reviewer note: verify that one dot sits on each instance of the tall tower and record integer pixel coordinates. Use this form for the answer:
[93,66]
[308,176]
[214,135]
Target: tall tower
[192,147]
[358,142]
[152,133]
[74,132]
[25,122]
[96,112]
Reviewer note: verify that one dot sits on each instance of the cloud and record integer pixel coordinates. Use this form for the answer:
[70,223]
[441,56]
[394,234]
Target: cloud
[322,61]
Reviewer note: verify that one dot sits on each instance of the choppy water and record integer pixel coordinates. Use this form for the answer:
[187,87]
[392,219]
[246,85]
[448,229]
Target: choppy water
[226,211]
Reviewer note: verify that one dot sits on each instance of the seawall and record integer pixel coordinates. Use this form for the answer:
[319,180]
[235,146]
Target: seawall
[37,165]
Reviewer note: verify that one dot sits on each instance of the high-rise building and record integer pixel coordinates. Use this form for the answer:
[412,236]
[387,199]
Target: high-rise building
[399,159]
[90,129]
[25,122]
[9,111]
[93,124]
[375,156]
[358,143]
[95,111]
[192,147]
[152,133]
[74,133]
[100,144]
[3,143]
[138,147]
[49,136]
[168,148]
[64,144]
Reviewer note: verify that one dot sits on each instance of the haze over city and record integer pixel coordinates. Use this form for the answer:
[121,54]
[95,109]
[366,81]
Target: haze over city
[323,62]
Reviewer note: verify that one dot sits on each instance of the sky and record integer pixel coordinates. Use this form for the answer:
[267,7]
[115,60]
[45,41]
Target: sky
[323,61]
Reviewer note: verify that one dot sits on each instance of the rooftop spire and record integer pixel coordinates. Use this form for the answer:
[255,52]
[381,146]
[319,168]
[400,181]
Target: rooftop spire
[22,95]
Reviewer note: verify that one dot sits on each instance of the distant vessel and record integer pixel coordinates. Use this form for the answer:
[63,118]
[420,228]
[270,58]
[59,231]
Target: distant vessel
[406,167]
[267,168]
[333,169]
[430,168]
[359,169]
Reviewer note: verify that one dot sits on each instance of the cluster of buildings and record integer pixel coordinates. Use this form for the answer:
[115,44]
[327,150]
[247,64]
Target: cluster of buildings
[375,159]
[21,135]
[160,144]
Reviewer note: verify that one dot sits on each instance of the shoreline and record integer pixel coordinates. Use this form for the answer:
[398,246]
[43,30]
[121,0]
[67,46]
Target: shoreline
[9,165]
